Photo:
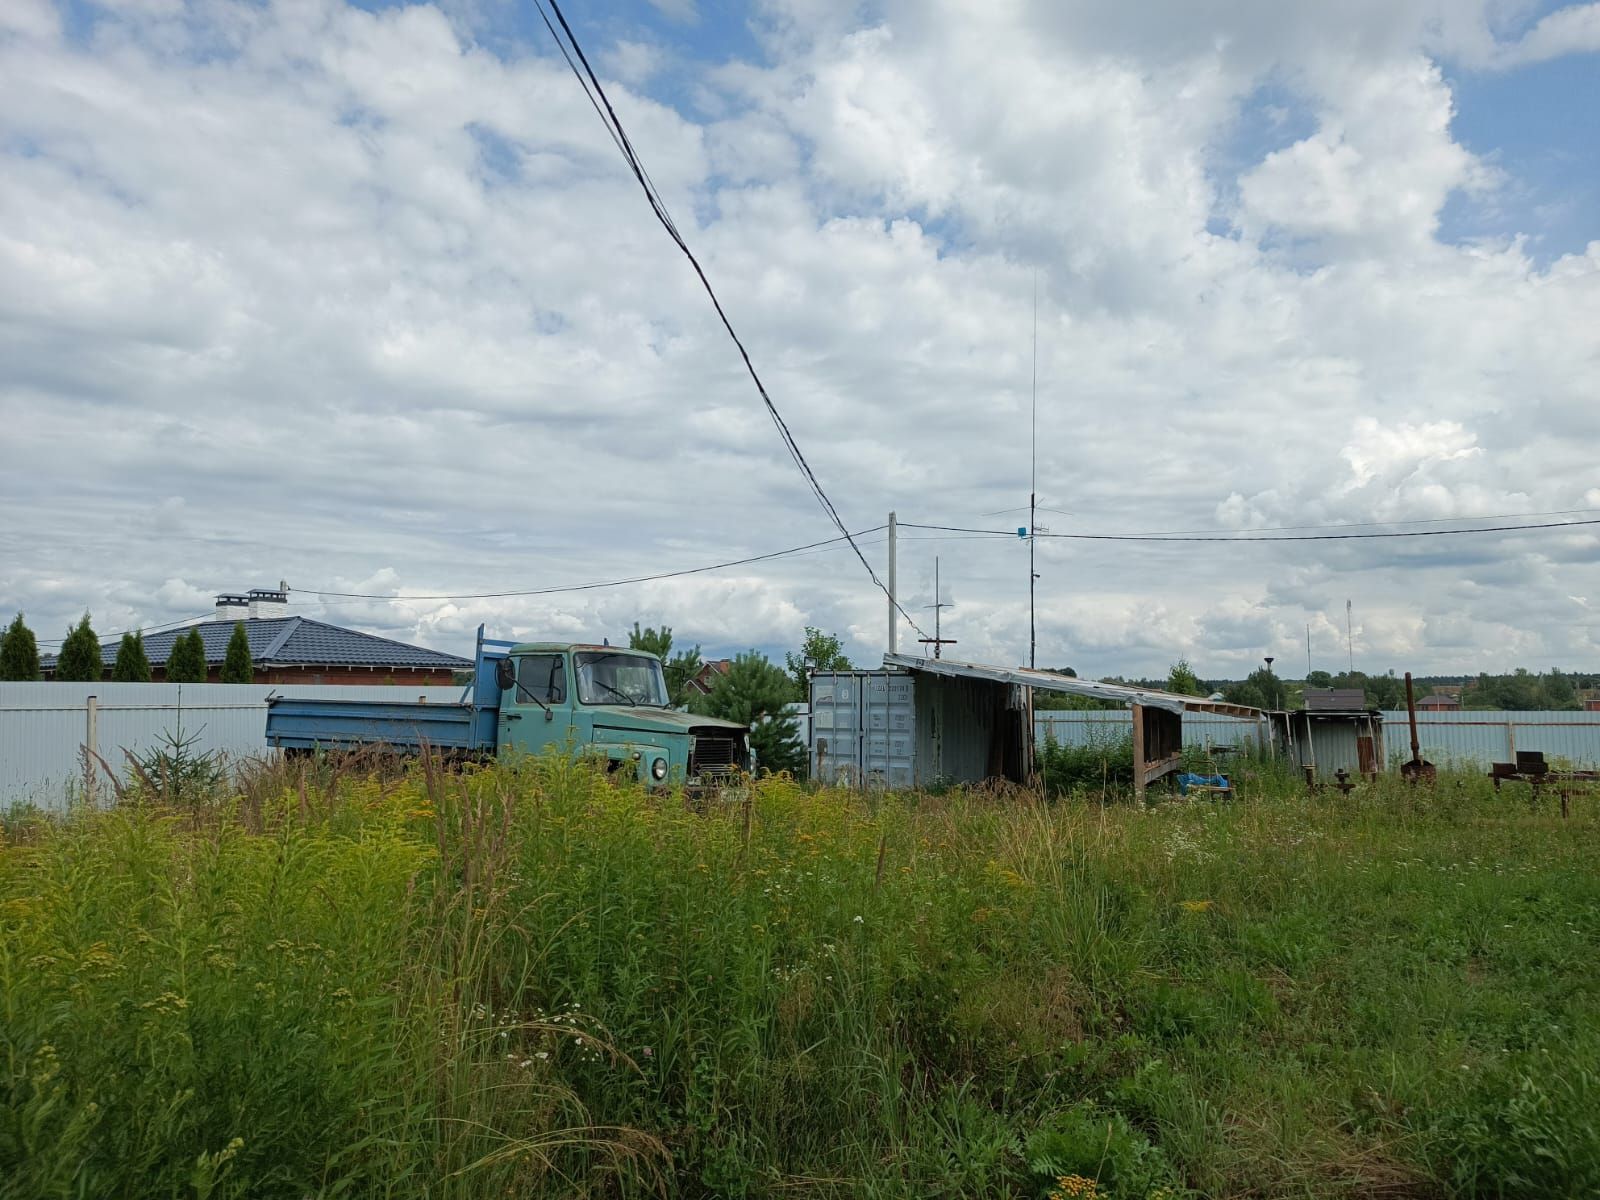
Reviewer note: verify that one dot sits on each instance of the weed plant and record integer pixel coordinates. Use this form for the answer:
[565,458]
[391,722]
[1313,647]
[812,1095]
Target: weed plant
[529,981]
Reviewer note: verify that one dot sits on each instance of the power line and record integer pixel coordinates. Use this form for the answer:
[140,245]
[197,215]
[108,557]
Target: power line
[1302,537]
[591,587]
[619,136]
[105,637]
[939,533]
[1559,512]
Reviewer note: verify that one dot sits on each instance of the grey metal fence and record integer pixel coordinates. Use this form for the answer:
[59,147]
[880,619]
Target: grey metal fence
[1476,739]
[1087,727]
[45,726]
[1467,739]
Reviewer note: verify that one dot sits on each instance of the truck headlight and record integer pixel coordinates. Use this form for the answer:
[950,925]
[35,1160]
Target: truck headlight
[659,768]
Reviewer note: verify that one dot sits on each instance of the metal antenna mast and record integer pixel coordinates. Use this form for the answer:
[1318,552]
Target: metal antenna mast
[1033,483]
[937,641]
[1349,638]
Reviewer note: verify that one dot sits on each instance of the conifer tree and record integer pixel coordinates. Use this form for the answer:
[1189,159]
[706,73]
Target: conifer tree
[757,693]
[132,665]
[186,663]
[19,652]
[79,660]
[236,667]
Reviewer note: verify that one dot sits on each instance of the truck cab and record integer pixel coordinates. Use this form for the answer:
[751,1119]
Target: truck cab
[610,703]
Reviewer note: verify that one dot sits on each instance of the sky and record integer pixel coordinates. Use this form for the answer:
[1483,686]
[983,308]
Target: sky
[362,298]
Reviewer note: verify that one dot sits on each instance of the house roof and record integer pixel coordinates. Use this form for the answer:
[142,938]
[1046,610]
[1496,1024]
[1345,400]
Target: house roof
[295,641]
[1051,682]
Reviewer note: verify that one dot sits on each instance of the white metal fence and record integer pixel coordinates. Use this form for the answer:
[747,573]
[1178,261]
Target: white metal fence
[45,726]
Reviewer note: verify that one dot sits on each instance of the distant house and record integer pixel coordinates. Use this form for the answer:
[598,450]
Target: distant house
[706,678]
[292,649]
[1439,703]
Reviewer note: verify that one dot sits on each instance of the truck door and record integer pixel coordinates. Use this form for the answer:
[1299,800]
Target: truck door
[536,713]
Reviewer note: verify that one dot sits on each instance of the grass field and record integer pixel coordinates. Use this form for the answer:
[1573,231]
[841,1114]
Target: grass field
[526,982]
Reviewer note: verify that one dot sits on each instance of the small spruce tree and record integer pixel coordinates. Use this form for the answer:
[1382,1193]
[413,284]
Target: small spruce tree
[236,666]
[756,693]
[132,665]
[19,652]
[79,660]
[186,663]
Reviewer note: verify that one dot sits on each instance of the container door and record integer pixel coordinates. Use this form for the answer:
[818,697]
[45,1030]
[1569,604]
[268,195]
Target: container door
[836,728]
[888,706]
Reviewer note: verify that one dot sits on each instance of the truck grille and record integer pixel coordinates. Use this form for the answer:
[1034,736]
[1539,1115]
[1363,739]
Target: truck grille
[713,754]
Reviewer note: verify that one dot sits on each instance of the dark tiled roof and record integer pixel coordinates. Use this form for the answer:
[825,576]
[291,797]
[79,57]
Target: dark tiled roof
[289,641]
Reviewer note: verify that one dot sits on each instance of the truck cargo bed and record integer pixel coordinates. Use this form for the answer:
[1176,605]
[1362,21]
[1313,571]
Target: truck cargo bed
[294,724]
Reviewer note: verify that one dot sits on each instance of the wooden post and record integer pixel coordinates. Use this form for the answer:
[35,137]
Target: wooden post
[1138,752]
[91,742]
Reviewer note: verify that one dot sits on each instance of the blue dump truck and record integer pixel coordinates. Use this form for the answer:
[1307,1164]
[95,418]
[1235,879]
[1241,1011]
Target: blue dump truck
[598,702]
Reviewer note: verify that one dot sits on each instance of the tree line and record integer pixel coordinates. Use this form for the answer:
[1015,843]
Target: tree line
[1263,688]
[757,692]
[80,658]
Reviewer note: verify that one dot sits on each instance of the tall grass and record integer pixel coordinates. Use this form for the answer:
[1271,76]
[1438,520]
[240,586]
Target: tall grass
[529,981]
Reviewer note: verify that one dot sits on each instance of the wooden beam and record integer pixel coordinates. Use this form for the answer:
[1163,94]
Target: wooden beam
[1138,752]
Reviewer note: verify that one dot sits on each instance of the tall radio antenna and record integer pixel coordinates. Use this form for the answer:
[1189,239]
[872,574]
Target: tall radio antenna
[1033,482]
[1349,637]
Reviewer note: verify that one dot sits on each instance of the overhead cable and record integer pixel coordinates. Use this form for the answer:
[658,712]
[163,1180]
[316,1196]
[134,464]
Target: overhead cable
[591,587]
[1298,537]
[587,79]
[104,637]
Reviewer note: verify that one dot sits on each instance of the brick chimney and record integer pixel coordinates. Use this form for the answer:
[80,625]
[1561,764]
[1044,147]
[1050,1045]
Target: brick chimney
[231,606]
[269,602]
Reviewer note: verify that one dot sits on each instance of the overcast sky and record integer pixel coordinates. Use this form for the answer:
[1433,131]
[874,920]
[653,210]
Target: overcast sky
[361,297]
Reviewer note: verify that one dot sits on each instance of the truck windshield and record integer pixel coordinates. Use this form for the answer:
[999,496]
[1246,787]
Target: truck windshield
[612,678]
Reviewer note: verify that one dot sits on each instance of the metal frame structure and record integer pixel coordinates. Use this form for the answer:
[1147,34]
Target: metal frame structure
[1157,715]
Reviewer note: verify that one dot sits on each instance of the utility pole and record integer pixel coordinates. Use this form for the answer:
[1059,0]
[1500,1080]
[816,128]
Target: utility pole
[936,640]
[894,625]
[1308,649]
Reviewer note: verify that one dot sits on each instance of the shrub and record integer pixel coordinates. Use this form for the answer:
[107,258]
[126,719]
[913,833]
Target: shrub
[1099,1148]
[186,661]
[132,665]
[79,660]
[236,665]
[19,652]
[1100,763]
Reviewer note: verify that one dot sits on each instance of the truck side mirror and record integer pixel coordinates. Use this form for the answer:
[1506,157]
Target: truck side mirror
[505,673]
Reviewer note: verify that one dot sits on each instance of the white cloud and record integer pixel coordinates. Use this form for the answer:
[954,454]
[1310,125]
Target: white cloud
[346,298]
[1377,172]
[685,11]
[635,63]
[30,18]
[1571,30]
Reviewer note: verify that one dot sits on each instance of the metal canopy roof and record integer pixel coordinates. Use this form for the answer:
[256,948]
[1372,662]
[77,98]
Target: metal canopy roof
[1051,682]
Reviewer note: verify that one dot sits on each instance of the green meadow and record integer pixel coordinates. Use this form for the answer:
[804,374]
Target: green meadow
[525,981]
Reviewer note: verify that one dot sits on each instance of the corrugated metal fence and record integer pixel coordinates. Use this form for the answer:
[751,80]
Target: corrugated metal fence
[43,726]
[1476,739]
[1470,740]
